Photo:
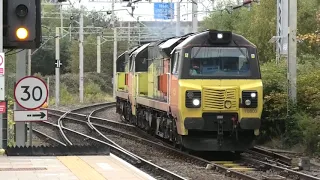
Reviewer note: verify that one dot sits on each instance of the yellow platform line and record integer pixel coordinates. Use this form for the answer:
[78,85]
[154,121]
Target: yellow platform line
[222,162]
[80,168]
[242,169]
[232,165]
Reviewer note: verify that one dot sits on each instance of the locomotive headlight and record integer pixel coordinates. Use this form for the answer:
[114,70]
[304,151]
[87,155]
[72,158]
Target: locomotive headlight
[190,95]
[196,102]
[249,99]
[248,102]
[193,99]
[220,36]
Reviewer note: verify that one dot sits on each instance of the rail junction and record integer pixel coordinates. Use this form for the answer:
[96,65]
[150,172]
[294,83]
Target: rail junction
[117,150]
[85,129]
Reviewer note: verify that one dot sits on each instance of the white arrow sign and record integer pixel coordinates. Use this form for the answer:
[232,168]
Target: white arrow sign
[30,92]
[41,115]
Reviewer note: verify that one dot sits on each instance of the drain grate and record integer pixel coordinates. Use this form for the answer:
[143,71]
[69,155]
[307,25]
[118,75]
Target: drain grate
[22,169]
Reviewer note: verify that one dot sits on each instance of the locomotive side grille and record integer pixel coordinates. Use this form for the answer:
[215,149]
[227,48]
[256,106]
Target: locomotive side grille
[214,99]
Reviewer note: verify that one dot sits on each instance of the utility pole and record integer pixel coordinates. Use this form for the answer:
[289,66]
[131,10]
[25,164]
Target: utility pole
[292,60]
[194,16]
[128,47]
[20,73]
[29,62]
[29,74]
[115,48]
[114,78]
[112,14]
[61,19]
[2,79]
[98,54]
[178,19]
[81,56]
[171,12]
[57,38]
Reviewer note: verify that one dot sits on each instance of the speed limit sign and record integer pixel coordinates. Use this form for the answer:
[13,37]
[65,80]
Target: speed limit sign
[30,92]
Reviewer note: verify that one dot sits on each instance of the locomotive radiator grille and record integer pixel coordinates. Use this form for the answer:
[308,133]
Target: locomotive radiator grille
[215,99]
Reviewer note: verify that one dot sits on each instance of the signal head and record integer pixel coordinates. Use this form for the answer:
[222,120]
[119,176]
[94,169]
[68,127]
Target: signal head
[22,33]
[21,10]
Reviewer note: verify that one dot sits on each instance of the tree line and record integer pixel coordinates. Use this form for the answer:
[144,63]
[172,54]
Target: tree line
[259,26]
[43,59]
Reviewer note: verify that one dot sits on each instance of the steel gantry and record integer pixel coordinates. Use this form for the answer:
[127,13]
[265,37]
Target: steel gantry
[282,29]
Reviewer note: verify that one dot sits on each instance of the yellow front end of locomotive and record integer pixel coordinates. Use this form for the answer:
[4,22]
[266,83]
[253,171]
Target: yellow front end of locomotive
[204,101]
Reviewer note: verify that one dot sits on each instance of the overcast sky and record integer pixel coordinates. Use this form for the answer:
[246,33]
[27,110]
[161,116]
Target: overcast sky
[146,9]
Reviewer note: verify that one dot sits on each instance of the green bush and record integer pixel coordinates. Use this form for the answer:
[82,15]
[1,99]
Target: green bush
[302,124]
[310,130]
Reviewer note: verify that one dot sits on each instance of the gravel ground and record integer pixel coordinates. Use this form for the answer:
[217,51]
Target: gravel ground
[109,113]
[170,163]
[38,140]
[82,128]
[68,108]
[315,162]
[163,159]
[49,130]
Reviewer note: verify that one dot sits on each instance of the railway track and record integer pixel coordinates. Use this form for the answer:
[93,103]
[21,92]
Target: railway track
[270,156]
[137,161]
[109,132]
[113,129]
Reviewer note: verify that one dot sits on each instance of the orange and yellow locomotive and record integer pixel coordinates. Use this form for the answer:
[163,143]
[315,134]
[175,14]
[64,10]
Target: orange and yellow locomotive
[202,91]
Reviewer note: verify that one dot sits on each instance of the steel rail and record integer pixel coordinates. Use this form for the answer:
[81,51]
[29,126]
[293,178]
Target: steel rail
[60,126]
[263,152]
[102,135]
[135,160]
[183,154]
[218,167]
[284,170]
[49,137]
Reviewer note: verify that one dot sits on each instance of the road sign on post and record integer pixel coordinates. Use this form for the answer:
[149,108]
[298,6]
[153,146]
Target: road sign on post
[41,115]
[30,92]
[163,10]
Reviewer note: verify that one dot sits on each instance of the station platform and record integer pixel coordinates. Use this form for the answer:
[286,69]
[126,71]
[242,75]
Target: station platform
[68,168]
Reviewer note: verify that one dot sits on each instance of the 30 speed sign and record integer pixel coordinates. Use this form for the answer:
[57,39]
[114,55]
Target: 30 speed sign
[30,92]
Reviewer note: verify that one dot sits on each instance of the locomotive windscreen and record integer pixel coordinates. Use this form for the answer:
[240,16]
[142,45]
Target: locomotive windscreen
[219,61]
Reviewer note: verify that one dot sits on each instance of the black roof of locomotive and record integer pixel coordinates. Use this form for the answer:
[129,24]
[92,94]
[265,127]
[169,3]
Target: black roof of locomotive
[203,39]
[139,50]
[121,56]
[157,43]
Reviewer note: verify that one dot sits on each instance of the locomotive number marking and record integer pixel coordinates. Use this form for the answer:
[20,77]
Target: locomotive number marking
[220,117]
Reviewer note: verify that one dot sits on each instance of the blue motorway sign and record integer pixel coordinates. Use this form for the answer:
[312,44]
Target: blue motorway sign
[163,10]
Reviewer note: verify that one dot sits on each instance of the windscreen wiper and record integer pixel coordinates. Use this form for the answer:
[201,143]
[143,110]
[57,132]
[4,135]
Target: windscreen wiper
[246,55]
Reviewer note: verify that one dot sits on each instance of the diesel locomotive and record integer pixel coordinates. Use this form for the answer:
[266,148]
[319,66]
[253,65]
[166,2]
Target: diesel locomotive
[201,91]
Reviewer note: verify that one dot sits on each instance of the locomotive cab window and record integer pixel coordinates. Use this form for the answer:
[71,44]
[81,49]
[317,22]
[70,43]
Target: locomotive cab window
[219,61]
[132,63]
[175,69]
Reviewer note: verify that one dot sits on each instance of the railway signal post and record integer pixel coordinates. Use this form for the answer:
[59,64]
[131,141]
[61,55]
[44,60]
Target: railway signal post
[20,129]
[2,92]
[30,93]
